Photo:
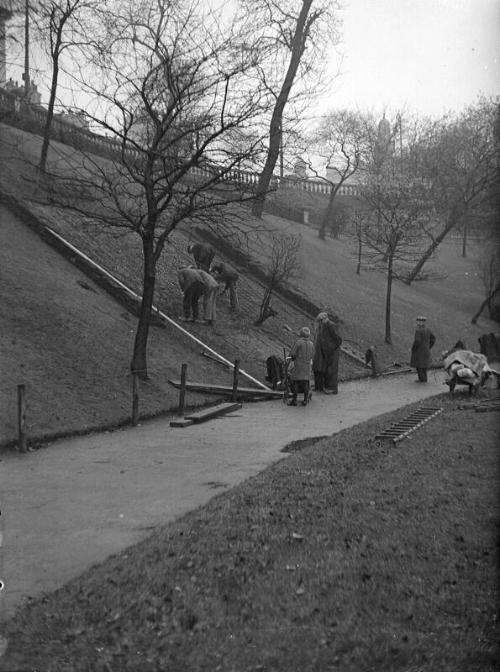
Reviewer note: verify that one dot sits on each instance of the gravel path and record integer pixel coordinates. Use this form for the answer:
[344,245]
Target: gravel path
[74,502]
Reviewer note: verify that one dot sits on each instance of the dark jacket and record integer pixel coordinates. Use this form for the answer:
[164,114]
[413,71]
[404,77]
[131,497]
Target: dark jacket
[326,345]
[225,273]
[203,254]
[423,341]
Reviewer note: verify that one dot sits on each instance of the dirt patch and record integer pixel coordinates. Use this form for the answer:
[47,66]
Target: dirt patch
[295,446]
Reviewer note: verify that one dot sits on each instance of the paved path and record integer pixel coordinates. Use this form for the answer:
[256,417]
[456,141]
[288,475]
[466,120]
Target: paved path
[73,503]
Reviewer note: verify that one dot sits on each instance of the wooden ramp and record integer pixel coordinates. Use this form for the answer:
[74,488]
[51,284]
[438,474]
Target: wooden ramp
[205,414]
[228,389]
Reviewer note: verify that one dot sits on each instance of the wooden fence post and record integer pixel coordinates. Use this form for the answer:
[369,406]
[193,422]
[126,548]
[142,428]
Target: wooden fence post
[21,418]
[235,379]
[135,399]
[372,359]
[182,391]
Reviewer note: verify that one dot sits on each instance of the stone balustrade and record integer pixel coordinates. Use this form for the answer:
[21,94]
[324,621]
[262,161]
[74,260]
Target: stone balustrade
[16,111]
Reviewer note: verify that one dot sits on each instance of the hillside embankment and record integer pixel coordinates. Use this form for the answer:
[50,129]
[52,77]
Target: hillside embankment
[69,342]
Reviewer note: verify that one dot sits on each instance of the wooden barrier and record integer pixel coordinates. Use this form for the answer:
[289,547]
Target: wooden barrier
[236,369]
[182,391]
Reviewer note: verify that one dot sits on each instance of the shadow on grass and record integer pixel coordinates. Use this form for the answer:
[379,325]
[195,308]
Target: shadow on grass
[300,444]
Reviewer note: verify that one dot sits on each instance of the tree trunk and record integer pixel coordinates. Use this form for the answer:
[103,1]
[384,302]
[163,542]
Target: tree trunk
[265,311]
[50,109]
[464,240]
[139,358]
[360,253]
[388,301]
[430,250]
[275,129]
[328,214]
[486,302]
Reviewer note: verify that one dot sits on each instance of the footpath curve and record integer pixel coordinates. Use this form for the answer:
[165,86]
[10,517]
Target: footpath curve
[71,504]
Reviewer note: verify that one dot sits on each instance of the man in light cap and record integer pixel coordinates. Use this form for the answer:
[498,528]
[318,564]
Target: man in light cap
[301,356]
[326,355]
[423,341]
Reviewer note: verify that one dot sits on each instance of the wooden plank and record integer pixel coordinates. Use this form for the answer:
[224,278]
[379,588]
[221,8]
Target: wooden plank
[212,412]
[181,422]
[228,389]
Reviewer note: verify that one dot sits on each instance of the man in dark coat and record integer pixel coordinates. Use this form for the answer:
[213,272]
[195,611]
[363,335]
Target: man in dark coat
[226,274]
[423,341]
[326,355]
[203,254]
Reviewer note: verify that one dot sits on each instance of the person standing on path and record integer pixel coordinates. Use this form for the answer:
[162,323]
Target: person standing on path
[423,341]
[226,274]
[326,355]
[192,288]
[301,356]
[203,255]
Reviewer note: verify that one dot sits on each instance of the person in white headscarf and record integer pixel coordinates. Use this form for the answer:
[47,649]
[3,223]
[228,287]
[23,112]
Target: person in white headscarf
[300,375]
[327,344]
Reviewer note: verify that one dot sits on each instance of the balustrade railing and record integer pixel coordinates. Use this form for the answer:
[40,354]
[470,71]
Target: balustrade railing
[16,111]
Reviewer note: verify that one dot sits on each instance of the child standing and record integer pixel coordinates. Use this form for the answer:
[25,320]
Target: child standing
[301,356]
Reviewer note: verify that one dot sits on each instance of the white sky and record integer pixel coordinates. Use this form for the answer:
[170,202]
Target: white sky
[427,56]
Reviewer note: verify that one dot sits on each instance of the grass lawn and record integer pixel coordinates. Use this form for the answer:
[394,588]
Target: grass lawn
[349,555]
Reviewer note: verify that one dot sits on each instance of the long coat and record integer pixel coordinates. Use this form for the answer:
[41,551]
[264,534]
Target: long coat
[326,356]
[423,341]
[301,353]
[326,345]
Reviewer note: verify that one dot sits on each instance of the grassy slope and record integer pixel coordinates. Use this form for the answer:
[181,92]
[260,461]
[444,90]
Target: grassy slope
[90,372]
[394,568]
[449,302]
[71,354]
[70,345]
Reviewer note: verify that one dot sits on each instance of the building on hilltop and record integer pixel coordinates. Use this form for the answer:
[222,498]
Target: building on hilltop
[385,142]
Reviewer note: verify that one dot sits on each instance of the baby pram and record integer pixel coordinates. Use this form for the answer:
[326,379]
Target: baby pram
[292,388]
[278,373]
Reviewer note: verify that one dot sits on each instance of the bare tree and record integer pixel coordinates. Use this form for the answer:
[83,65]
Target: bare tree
[358,221]
[172,86]
[286,29]
[489,270]
[61,26]
[342,140]
[461,159]
[390,226]
[284,265]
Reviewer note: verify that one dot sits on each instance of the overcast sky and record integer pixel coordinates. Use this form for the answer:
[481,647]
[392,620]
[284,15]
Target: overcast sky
[429,56]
